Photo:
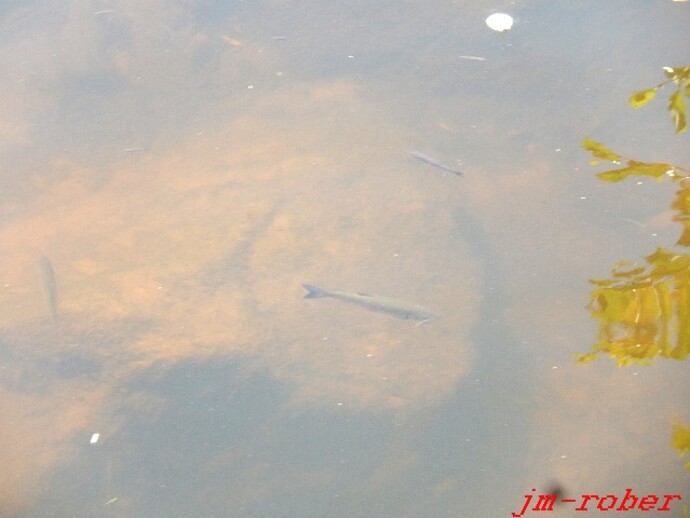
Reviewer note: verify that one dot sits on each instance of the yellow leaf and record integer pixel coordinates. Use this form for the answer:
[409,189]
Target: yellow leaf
[643,312]
[682,201]
[599,282]
[677,74]
[616,175]
[680,439]
[599,151]
[659,255]
[627,269]
[684,239]
[585,358]
[639,99]
[655,170]
[676,105]
[629,273]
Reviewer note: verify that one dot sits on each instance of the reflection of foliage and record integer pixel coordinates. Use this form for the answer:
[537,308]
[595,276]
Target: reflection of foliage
[680,440]
[682,205]
[656,170]
[634,168]
[642,309]
[676,104]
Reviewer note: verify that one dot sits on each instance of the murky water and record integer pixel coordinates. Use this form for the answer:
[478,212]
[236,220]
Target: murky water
[186,167]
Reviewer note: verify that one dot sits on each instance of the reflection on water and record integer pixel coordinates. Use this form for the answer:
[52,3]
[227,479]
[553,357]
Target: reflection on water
[187,168]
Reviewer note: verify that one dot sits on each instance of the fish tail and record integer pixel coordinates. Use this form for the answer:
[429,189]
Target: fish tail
[314,292]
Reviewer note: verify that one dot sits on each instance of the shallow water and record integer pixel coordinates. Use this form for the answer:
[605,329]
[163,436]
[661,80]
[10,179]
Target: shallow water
[187,167]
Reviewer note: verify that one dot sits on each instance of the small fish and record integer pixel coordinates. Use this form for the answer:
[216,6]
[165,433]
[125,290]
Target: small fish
[49,287]
[432,161]
[392,307]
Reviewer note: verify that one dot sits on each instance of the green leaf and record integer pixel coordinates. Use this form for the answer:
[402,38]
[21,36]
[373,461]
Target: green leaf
[676,105]
[639,99]
[599,151]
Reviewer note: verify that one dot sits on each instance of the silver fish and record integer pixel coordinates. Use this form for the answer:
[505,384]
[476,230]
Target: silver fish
[396,308]
[49,287]
[432,161]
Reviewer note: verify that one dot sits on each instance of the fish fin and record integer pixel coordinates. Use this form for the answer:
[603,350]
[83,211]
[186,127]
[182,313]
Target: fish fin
[313,292]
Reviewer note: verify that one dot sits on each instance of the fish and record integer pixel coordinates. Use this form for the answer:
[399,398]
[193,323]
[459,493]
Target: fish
[432,161]
[49,287]
[396,308]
